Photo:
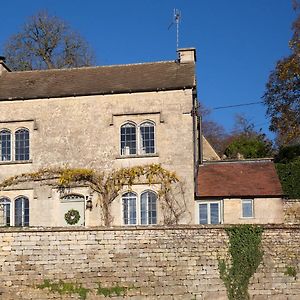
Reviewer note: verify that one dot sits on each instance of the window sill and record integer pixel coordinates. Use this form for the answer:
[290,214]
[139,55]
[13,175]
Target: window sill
[15,162]
[137,156]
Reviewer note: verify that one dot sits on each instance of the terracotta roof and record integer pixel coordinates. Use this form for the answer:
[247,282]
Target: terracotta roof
[238,179]
[97,80]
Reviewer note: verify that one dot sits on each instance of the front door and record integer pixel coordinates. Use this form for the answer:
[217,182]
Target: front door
[72,210]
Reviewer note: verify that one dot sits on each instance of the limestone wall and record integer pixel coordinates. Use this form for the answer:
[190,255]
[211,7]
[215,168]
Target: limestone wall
[155,263]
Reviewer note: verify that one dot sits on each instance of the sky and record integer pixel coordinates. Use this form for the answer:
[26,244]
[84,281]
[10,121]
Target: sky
[237,41]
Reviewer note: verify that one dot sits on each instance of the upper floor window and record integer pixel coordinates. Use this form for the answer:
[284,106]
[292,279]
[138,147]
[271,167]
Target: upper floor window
[247,208]
[5,212]
[22,211]
[138,139]
[147,137]
[22,144]
[5,145]
[128,139]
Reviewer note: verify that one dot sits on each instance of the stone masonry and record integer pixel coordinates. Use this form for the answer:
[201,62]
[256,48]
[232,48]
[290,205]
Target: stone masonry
[156,263]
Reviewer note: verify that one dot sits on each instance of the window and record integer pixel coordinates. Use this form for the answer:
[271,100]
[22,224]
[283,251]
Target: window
[128,139]
[148,208]
[247,208]
[22,211]
[22,144]
[5,145]
[4,212]
[129,208]
[209,213]
[147,137]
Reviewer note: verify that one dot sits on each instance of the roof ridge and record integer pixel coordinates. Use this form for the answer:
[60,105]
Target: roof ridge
[93,67]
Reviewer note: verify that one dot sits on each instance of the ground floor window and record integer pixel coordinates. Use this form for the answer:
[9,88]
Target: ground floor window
[139,209]
[247,208]
[22,211]
[4,212]
[210,212]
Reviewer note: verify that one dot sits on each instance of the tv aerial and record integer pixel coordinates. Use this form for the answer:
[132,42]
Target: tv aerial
[176,21]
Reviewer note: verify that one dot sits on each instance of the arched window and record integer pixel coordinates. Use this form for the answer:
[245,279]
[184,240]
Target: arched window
[5,145]
[4,212]
[148,208]
[22,144]
[129,208]
[73,198]
[128,139]
[147,137]
[22,211]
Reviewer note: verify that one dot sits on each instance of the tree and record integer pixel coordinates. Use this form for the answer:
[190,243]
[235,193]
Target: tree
[245,140]
[46,42]
[213,132]
[282,96]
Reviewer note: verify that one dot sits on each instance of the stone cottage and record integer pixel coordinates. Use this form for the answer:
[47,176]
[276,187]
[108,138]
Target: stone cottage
[100,118]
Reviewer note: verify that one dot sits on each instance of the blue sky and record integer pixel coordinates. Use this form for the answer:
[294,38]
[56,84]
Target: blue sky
[238,42]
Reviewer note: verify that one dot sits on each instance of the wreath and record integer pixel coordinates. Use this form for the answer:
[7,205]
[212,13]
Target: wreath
[72,216]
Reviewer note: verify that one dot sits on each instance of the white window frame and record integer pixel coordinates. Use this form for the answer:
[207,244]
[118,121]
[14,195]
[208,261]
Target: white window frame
[208,203]
[138,139]
[24,198]
[11,143]
[246,202]
[138,211]
[5,201]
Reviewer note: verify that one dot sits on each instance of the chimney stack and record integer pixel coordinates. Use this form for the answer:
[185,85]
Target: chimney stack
[186,55]
[3,66]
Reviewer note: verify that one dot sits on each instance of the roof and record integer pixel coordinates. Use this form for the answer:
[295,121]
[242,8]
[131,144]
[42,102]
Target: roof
[97,80]
[238,179]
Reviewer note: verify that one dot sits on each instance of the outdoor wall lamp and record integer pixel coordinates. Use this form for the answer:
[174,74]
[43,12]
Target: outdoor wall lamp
[89,204]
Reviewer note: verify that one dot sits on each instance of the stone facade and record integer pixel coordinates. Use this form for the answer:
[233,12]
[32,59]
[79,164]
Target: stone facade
[84,132]
[162,263]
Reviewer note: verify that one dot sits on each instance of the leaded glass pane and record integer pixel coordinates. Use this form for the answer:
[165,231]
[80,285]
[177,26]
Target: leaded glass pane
[129,208]
[147,138]
[148,208]
[128,139]
[22,144]
[4,212]
[5,145]
[22,212]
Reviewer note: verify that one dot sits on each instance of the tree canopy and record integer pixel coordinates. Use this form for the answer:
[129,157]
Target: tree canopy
[282,96]
[46,42]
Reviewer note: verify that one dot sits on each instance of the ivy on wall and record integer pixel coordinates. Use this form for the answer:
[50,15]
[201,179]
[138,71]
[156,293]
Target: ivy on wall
[107,186]
[245,256]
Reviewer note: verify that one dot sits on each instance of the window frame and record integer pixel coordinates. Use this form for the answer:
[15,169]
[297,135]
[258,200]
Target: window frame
[141,148]
[6,130]
[132,196]
[245,202]
[132,125]
[208,211]
[24,200]
[139,151]
[147,211]
[24,153]
[5,201]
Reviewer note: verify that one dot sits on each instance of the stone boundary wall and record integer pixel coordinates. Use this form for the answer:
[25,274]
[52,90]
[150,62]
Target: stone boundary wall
[178,262]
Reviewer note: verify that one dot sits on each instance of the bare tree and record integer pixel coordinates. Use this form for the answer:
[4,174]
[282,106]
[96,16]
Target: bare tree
[46,42]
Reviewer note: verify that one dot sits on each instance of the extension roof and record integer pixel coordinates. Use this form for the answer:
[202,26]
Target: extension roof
[238,179]
[97,80]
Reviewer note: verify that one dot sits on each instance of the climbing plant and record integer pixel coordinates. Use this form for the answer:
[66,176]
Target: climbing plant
[245,255]
[107,185]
